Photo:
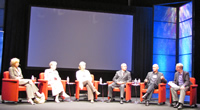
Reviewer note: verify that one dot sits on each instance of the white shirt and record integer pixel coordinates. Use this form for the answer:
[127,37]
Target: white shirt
[50,75]
[82,76]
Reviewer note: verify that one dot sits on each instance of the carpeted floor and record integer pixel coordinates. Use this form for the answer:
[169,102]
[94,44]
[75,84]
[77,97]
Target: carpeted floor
[86,105]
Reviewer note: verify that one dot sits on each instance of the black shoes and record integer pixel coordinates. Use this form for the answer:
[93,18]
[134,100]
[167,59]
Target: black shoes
[121,101]
[173,103]
[147,103]
[176,105]
[145,96]
[110,99]
[180,106]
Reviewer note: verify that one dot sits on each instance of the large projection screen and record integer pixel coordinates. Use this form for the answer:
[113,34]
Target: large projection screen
[102,40]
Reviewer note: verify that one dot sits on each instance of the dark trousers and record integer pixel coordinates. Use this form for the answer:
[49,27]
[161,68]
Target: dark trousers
[150,89]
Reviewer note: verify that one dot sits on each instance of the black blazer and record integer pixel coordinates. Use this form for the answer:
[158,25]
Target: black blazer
[150,74]
[186,78]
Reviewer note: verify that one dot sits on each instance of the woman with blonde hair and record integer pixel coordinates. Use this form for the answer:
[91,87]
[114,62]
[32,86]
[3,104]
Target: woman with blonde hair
[85,79]
[16,73]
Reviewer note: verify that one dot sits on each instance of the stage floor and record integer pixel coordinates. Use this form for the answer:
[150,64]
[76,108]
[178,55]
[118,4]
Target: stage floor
[82,104]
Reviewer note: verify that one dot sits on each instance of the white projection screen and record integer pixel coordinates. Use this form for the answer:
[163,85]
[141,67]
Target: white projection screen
[102,40]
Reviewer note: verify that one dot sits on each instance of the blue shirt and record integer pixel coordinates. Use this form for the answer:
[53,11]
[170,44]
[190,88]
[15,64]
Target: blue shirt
[180,79]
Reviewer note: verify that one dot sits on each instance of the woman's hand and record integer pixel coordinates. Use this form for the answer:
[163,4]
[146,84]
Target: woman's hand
[18,77]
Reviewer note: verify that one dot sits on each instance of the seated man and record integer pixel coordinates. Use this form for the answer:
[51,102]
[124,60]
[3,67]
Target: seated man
[121,77]
[182,80]
[152,80]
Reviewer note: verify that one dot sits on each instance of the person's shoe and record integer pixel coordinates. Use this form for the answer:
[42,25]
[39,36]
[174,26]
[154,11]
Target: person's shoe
[39,94]
[180,106]
[57,101]
[147,103]
[66,96]
[176,105]
[43,94]
[145,96]
[97,92]
[128,101]
[31,102]
[92,101]
[121,101]
[109,100]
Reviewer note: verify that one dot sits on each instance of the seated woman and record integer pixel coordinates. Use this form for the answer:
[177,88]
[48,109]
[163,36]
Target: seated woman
[16,73]
[85,79]
[54,81]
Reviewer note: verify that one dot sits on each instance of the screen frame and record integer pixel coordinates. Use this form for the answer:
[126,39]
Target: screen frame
[132,13]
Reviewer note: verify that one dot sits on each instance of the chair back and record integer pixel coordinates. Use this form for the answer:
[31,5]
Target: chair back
[6,75]
[193,80]
[41,76]
[92,78]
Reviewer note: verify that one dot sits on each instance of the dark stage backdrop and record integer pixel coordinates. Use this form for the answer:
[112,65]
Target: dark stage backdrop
[196,45]
[16,35]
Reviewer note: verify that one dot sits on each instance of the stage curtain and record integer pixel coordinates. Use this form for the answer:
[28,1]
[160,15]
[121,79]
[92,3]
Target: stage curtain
[142,42]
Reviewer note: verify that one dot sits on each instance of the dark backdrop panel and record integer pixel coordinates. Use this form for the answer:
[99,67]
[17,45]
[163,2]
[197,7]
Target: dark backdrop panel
[196,45]
[143,42]
[16,36]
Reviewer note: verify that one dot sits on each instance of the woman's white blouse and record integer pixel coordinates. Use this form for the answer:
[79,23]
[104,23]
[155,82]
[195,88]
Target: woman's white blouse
[82,76]
[50,75]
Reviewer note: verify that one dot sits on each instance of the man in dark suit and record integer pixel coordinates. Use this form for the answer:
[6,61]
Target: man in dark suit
[121,77]
[182,80]
[152,80]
